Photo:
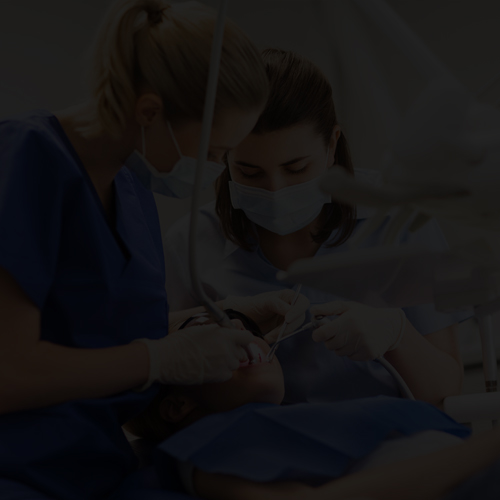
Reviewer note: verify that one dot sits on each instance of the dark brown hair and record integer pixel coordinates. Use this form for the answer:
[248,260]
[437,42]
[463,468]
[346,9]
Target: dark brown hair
[300,93]
[149,424]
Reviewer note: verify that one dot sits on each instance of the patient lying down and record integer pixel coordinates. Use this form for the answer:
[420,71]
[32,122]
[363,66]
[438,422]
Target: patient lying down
[234,441]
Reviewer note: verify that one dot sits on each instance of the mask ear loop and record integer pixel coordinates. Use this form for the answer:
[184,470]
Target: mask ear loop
[174,139]
[143,136]
[327,158]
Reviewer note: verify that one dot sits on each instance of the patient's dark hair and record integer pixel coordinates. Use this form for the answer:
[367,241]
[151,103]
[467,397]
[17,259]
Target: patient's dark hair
[300,94]
[248,323]
[150,424]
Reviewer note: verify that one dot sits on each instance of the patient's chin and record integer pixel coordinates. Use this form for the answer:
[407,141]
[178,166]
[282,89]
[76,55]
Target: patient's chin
[262,386]
[264,393]
[251,385]
[270,394]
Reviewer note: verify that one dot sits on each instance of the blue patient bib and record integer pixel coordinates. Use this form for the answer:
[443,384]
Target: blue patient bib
[308,442]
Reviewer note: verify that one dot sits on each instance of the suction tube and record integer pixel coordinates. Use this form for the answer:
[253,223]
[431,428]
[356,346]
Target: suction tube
[208,115]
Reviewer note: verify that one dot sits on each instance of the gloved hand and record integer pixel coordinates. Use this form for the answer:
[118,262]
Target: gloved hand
[270,309]
[197,355]
[360,332]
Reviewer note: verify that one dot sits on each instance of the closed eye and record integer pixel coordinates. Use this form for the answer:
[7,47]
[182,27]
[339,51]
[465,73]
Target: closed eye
[298,171]
[253,174]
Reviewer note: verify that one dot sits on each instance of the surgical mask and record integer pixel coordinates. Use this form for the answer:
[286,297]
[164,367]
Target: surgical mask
[179,182]
[284,211]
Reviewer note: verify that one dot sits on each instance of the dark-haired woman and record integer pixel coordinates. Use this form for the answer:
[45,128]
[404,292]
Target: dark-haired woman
[269,213]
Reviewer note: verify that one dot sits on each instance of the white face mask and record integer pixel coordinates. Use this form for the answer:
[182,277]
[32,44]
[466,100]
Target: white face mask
[179,182]
[284,211]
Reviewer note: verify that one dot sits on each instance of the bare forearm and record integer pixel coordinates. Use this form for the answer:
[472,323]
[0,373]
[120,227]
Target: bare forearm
[224,487]
[442,471]
[431,373]
[49,374]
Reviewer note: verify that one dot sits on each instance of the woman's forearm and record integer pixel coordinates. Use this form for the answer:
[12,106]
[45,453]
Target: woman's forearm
[431,373]
[426,477]
[46,374]
[35,373]
[224,487]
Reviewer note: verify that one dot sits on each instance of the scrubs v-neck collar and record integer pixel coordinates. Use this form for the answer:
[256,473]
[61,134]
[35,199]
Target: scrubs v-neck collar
[114,230]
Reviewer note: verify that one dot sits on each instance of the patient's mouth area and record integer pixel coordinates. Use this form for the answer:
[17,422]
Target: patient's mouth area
[256,356]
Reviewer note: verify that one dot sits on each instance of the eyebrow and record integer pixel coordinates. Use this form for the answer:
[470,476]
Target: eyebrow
[286,164]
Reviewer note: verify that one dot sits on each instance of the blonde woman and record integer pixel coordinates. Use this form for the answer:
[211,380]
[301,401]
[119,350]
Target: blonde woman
[81,261]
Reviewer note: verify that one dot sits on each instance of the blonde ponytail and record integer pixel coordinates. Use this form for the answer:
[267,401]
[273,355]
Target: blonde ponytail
[166,47]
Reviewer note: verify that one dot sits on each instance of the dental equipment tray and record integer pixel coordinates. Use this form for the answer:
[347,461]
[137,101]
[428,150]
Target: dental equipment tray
[396,277]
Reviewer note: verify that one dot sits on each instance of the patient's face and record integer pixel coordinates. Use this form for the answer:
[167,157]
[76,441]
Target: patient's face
[260,382]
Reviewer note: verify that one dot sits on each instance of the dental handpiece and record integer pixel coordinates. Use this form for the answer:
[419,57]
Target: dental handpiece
[312,325]
[307,326]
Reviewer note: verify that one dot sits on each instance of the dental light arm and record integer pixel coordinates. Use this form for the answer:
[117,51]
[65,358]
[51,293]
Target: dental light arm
[208,114]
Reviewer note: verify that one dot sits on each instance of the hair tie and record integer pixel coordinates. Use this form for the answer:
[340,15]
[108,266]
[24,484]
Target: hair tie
[155,17]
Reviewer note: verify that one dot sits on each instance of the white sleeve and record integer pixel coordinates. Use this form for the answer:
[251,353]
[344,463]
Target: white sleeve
[211,244]
[186,473]
[425,318]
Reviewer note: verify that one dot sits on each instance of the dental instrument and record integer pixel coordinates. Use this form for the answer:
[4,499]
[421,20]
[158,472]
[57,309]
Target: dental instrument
[315,323]
[304,328]
[270,354]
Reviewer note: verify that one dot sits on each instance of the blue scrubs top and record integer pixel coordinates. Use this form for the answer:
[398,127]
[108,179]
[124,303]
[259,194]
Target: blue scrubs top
[312,372]
[95,285]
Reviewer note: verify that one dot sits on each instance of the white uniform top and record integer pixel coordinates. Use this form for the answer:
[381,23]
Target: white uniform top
[312,373]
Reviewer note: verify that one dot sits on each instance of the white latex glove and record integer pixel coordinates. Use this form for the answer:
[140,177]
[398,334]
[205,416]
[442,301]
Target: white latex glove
[197,355]
[270,309]
[360,332]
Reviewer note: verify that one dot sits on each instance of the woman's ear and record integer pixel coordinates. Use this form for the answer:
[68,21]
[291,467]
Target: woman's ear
[148,108]
[175,407]
[332,148]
